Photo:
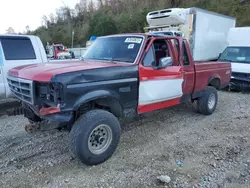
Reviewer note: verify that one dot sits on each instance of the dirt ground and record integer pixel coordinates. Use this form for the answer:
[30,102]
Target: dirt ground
[214,150]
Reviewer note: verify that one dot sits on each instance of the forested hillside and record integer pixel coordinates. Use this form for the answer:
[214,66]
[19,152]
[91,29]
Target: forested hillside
[119,16]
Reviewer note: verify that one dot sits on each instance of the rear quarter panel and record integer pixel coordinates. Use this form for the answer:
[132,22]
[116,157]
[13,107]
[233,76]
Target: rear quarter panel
[206,71]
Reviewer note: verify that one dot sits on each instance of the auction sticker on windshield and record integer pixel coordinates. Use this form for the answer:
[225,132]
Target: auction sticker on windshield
[133,40]
[131,46]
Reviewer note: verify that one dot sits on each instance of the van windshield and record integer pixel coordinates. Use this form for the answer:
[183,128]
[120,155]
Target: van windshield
[115,49]
[236,54]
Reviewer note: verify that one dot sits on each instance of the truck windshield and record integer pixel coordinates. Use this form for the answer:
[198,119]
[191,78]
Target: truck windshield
[236,54]
[115,49]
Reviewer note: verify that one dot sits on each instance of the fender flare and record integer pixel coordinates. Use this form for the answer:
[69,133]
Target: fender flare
[212,78]
[116,106]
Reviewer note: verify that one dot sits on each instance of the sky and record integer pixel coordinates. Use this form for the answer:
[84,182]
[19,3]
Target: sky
[20,13]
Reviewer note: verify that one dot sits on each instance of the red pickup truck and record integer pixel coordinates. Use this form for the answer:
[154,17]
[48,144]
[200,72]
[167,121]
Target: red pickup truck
[119,76]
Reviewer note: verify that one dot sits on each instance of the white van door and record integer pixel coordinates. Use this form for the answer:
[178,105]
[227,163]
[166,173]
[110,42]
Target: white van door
[17,51]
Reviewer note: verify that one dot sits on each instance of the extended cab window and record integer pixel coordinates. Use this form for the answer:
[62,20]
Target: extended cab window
[185,56]
[17,48]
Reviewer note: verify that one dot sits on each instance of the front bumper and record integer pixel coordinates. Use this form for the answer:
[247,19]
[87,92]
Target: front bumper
[239,83]
[63,117]
[54,114]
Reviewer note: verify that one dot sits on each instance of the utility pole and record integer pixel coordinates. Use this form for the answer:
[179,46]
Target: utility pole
[73,34]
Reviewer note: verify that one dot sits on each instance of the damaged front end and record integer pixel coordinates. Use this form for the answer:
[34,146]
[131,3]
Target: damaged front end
[240,81]
[41,101]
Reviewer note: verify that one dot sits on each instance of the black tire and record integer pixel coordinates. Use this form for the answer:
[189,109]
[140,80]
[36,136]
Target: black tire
[195,107]
[204,106]
[83,129]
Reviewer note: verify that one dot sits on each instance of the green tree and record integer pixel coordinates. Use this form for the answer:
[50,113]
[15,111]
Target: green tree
[101,24]
[123,16]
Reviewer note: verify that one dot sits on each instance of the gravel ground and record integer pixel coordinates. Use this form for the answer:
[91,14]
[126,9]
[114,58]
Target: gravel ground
[214,150]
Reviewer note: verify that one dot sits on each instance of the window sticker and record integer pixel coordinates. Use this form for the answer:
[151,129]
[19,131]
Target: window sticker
[131,46]
[133,40]
[241,58]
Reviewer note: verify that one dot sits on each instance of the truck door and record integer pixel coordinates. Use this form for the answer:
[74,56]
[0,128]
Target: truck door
[159,87]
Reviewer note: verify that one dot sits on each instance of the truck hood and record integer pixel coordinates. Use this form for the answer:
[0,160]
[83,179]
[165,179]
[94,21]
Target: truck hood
[240,67]
[45,71]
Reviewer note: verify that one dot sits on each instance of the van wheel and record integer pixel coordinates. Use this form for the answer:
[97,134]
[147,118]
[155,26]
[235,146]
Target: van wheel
[94,137]
[208,101]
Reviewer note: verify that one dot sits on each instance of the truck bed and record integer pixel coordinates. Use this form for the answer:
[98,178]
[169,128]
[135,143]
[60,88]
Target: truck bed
[205,71]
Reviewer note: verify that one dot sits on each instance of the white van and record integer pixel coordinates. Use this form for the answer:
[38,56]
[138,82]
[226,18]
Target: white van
[238,53]
[16,50]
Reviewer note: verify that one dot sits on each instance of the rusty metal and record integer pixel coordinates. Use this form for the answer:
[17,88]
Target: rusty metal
[31,128]
[41,126]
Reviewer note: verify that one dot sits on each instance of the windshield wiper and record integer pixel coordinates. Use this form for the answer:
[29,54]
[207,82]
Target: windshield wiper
[111,60]
[225,60]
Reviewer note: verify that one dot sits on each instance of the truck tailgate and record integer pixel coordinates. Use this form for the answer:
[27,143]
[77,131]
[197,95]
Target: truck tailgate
[205,71]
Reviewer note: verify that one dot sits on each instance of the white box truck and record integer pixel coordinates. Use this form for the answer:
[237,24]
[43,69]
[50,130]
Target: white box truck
[238,53]
[206,31]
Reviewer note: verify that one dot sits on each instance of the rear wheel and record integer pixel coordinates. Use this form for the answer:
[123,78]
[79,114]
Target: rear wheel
[207,103]
[94,137]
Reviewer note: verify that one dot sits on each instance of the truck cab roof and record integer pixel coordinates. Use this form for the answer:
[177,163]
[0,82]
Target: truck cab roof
[145,35]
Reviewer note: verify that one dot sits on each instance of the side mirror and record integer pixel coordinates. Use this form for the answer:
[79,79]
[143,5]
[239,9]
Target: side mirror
[219,55]
[165,62]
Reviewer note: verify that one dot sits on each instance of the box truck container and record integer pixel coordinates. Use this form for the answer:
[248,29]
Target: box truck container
[205,31]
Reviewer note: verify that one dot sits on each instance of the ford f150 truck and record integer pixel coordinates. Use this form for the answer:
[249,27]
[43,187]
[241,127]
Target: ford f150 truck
[119,76]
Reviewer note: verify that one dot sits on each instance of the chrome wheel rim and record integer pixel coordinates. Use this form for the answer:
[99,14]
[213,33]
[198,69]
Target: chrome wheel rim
[211,101]
[100,139]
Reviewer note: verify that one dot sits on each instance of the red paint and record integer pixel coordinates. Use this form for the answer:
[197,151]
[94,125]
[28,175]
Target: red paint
[157,106]
[161,77]
[188,72]
[45,71]
[148,73]
[50,110]
[57,51]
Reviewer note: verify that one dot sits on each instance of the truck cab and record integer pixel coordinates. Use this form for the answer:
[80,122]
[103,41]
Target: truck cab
[119,76]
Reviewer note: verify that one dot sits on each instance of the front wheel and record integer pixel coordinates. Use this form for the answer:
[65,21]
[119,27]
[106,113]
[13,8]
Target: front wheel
[94,137]
[208,101]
